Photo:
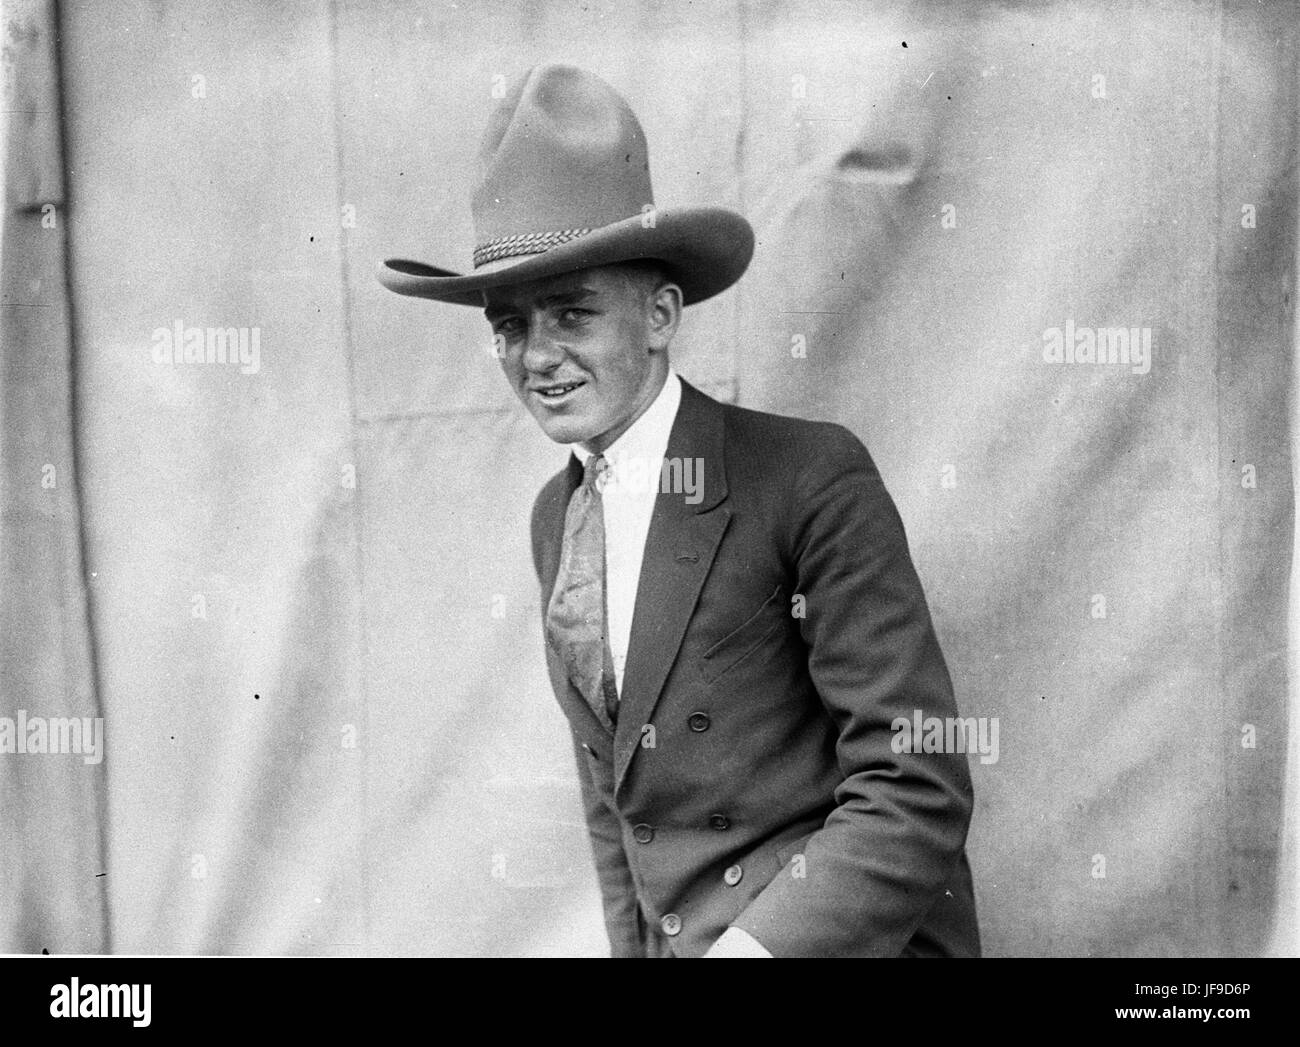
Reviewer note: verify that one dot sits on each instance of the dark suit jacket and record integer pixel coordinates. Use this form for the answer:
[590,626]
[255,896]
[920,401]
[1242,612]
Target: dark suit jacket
[754,728]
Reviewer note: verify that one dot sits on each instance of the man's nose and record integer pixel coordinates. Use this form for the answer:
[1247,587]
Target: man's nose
[541,351]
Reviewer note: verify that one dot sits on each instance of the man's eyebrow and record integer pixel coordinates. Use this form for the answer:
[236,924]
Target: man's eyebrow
[578,294]
[550,301]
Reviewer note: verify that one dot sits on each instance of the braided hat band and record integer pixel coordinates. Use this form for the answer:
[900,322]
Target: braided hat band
[523,244]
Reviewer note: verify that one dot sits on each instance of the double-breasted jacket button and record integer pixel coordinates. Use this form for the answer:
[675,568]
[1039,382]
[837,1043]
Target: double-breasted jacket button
[733,875]
[643,833]
[671,924]
[719,822]
[698,722]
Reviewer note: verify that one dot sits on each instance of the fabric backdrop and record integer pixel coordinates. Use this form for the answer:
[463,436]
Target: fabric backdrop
[297,587]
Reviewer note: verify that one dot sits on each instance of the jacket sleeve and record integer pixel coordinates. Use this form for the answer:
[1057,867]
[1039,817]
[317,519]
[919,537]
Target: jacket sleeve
[617,891]
[886,852]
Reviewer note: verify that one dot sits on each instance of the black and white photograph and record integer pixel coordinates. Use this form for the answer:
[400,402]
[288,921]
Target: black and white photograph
[650,479]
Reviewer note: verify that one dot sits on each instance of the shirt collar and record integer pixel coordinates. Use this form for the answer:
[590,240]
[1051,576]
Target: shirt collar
[647,437]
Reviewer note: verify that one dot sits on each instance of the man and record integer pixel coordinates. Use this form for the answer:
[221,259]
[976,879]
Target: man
[733,623]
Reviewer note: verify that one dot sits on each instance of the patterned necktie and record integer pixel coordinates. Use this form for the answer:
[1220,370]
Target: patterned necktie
[576,617]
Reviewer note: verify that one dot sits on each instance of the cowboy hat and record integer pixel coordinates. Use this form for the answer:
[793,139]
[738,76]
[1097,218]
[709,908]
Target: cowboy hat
[564,184]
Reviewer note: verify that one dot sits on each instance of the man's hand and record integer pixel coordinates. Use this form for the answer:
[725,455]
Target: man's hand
[737,944]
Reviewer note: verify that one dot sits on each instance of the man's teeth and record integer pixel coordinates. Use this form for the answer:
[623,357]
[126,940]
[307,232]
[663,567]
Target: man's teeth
[559,390]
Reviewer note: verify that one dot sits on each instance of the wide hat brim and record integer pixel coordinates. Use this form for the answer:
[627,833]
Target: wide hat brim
[706,249]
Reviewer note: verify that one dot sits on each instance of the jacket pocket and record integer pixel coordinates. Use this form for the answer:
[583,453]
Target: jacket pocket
[741,642]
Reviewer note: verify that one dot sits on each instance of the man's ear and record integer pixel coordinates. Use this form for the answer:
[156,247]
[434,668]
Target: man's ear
[665,314]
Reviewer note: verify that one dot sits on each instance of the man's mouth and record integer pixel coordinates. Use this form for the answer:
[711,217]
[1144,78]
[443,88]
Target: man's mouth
[554,392]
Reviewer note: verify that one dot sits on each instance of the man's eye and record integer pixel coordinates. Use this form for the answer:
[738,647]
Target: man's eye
[574,316]
[508,327]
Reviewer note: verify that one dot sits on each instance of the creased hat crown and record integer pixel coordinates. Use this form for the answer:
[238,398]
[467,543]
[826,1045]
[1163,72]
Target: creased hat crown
[563,154]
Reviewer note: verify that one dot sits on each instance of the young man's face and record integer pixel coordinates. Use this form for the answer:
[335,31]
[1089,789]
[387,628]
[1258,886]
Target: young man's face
[587,351]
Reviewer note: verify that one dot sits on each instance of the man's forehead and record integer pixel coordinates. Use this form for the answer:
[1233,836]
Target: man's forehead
[581,282]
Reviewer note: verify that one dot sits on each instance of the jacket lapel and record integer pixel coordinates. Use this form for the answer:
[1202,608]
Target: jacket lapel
[680,546]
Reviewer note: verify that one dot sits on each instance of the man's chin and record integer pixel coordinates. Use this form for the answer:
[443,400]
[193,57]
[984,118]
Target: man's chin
[566,430]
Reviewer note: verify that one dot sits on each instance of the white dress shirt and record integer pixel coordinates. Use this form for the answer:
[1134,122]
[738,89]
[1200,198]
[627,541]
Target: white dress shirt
[628,498]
